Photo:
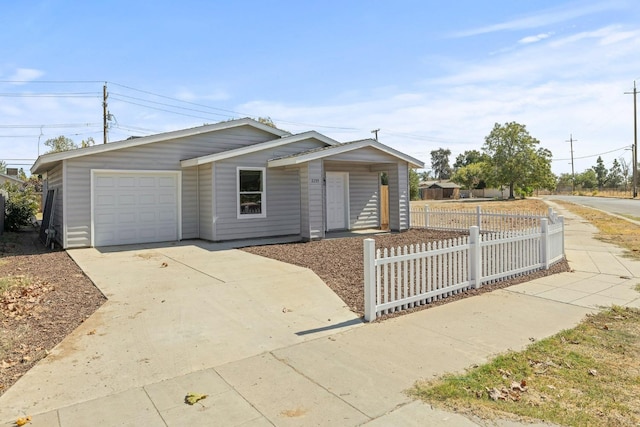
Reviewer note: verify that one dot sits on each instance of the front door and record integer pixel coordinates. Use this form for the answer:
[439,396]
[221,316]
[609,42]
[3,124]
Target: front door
[337,197]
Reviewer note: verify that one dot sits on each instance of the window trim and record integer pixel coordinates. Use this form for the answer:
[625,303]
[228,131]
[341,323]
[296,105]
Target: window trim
[263,193]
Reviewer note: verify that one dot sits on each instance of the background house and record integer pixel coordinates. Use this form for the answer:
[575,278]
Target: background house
[439,190]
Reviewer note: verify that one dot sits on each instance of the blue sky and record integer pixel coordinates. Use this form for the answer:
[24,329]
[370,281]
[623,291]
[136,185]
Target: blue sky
[428,74]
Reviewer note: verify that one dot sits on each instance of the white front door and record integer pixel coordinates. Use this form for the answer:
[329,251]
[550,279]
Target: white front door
[337,199]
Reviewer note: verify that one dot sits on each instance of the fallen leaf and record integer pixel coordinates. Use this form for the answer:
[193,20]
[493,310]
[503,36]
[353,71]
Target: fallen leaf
[23,420]
[518,386]
[593,372]
[91,332]
[6,365]
[193,398]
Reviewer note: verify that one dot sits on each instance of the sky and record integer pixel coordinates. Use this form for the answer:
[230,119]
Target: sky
[427,74]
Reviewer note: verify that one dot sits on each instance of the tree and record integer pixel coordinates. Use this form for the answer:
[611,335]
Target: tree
[614,178]
[3,167]
[601,172]
[21,205]
[587,179]
[625,167]
[425,176]
[469,157]
[440,163]
[88,143]
[513,161]
[469,176]
[61,143]
[564,181]
[414,185]
[267,121]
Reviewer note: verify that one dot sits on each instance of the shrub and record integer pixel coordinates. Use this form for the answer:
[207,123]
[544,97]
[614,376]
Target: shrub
[21,205]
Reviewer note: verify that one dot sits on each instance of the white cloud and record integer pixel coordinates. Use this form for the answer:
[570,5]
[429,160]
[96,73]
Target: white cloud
[543,18]
[23,75]
[534,39]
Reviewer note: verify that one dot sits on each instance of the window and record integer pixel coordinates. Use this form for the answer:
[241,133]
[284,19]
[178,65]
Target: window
[251,197]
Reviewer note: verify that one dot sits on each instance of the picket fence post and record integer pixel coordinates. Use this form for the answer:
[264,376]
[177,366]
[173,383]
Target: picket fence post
[478,216]
[369,280]
[475,253]
[426,216]
[544,242]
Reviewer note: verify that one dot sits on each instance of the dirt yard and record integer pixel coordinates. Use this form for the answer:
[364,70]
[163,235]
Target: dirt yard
[44,295]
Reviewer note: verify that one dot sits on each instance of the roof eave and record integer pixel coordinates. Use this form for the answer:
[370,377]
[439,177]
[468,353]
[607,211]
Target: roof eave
[43,162]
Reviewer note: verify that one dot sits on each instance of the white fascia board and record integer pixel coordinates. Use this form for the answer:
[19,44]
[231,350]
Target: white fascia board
[46,159]
[331,151]
[257,147]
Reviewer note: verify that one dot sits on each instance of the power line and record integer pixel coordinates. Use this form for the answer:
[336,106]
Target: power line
[51,95]
[593,155]
[65,125]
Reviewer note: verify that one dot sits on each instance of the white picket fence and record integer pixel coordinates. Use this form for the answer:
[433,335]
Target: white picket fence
[461,220]
[401,278]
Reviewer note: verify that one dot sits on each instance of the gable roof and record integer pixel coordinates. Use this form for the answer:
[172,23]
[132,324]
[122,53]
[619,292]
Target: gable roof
[258,147]
[11,178]
[320,153]
[44,161]
[444,184]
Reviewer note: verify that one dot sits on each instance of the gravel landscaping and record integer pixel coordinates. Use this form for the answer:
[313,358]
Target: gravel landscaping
[340,264]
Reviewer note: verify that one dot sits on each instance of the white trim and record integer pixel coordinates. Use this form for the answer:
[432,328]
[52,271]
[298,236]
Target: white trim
[63,187]
[257,147]
[43,162]
[263,199]
[178,175]
[344,148]
[213,202]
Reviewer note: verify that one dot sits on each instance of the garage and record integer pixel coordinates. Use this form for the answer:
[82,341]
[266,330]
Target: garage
[135,207]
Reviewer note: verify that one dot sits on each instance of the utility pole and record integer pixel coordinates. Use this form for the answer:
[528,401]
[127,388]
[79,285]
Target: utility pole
[105,114]
[573,174]
[635,141]
[375,131]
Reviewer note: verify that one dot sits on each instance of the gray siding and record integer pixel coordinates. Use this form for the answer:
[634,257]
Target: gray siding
[156,156]
[190,214]
[311,204]
[366,154]
[282,196]
[399,197]
[205,181]
[403,190]
[364,193]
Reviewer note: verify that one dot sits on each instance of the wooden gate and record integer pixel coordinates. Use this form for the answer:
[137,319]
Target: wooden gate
[384,207]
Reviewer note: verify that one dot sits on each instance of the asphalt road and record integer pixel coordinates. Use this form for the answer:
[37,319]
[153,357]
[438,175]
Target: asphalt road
[627,207]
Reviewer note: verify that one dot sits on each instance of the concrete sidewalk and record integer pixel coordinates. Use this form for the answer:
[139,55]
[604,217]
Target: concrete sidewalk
[356,376]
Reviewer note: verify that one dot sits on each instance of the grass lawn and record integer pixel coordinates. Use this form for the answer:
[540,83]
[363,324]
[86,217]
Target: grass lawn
[588,375]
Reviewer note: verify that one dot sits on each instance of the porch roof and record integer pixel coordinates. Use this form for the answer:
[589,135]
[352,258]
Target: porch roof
[258,147]
[320,153]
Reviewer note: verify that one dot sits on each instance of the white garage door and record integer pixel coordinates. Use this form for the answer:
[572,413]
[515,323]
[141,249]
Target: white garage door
[134,207]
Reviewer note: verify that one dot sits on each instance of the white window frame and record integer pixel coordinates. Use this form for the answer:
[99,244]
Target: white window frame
[263,193]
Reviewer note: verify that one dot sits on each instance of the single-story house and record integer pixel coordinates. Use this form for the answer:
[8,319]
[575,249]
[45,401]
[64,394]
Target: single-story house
[438,190]
[231,180]
[9,178]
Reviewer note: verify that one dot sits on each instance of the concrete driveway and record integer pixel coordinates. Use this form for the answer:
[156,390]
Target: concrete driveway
[173,310]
